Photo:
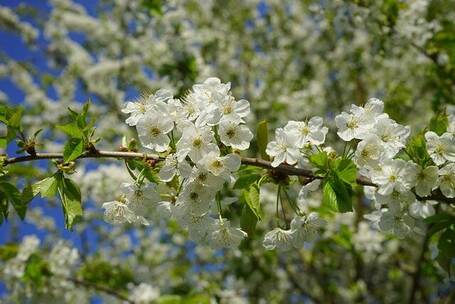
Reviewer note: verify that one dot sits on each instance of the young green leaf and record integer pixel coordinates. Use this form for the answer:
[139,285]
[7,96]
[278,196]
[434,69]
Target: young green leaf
[245,180]
[336,194]
[439,123]
[251,197]
[320,160]
[248,220]
[73,149]
[47,187]
[346,170]
[262,139]
[13,195]
[71,129]
[70,196]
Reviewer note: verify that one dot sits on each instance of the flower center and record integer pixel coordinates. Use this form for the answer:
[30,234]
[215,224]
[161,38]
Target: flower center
[197,143]
[202,177]
[217,164]
[227,109]
[155,131]
[194,196]
[230,133]
[305,130]
[352,124]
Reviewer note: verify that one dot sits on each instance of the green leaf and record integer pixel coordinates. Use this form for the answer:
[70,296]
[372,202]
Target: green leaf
[71,129]
[73,149]
[169,299]
[46,187]
[8,251]
[196,299]
[15,120]
[417,149]
[245,180]
[262,139]
[248,220]
[320,160]
[346,170]
[251,197]
[3,143]
[329,197]
[337,194]
[155,6]
[70,196]
[13,195]
[439,123]
[36,270]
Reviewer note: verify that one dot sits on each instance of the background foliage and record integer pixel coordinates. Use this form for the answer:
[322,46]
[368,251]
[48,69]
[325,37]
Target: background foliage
[291,60]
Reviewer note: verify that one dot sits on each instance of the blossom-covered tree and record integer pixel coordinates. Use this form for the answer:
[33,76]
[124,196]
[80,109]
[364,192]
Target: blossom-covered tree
[229,151]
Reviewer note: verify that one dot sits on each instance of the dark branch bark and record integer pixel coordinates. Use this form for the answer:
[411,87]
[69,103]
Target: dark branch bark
[283,168]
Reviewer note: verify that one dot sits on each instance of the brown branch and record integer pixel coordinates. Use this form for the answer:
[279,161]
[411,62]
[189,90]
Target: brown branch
[283,168]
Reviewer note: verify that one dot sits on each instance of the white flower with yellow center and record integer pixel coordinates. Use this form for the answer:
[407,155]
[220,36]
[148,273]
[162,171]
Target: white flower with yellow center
[394,174]
[392,135]
[173,167]
[447,180]
[284,148]
[234,135]
[221,166]
[311,132]
[138,108]
[225,236]
[441,148]
[351,126]
[118,212]
[369,151]
[140,197]
[152,129]
[195,142]
[426,180]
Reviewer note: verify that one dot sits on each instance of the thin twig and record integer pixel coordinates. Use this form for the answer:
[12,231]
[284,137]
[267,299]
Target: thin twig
[283,168]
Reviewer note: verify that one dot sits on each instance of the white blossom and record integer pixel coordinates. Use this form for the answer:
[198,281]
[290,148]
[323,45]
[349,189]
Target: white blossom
[441,148]
[221,166]
[395,174]
[306,228]
[426,180]
[278,239]
[234,135]
[153,128]
[447,180]
[224,235]
[118,212]
[196,142]
[284,148]
[312,132]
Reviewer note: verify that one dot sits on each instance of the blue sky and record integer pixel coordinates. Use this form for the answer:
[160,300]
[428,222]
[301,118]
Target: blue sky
[15,48]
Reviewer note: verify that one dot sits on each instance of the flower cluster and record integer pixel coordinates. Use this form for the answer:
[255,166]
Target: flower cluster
[399,179]
[199,137]
[377,146]
[303,229]
[295,136]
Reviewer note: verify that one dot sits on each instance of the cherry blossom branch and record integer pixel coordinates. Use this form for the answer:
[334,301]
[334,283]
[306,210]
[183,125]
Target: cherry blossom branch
[282,168]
